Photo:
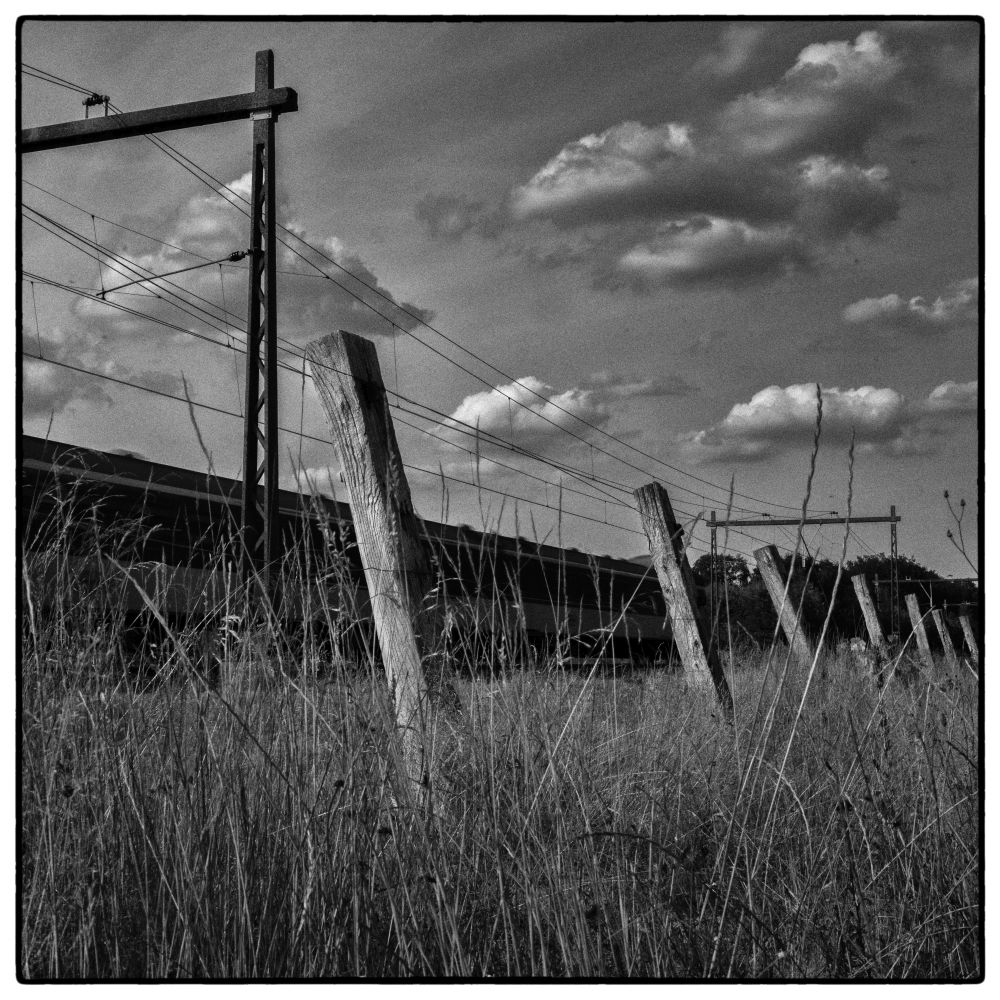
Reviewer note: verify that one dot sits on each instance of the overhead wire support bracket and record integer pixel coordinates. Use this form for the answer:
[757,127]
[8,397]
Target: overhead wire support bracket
[236,107]
[235,256]
[95,101]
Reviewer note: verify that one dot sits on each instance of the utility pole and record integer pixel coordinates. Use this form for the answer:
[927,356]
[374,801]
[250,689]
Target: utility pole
[713,586]
[262,106]
[893,575]
[260,474]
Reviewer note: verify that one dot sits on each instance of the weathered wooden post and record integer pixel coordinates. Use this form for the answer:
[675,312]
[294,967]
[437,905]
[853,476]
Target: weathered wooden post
[389,534]
[875,634]
[790,617]
[946,643]
[970,638]
[691,635]
[917,622]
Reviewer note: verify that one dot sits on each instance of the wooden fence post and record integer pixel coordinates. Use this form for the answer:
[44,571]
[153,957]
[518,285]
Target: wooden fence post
[946,643]
[875,634]
[690,632]
[970,639]
[917,622]
[389,534]
[788,615]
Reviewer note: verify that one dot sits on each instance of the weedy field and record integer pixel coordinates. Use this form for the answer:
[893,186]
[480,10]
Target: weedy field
[180,820]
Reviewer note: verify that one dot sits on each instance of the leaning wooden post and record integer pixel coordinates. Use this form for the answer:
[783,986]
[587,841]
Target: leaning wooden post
[875,634]
[946,643]
[690,631]
[970,639]
[770,572]
[397,566]
[913,608]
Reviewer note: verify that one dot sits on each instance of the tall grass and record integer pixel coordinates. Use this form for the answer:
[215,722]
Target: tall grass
[223,810]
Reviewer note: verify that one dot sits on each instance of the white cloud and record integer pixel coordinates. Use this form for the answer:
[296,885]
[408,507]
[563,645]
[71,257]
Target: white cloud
[953,397]
[209,227]
[831,100]
[713,249]
[775,174]
[49,389]
[781,418]
[308,306]
[528,411]
[960,306]
[619,161]
[837,197]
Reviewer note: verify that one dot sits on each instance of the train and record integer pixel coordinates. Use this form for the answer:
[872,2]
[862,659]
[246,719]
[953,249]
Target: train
[186,552]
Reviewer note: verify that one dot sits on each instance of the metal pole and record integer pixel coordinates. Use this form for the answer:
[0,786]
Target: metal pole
[260,475]
[893,573]
[713,586]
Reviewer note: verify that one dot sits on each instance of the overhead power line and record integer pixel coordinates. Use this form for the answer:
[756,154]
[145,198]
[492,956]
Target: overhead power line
[291,430]
[588,479]
[231,346]
[218,186]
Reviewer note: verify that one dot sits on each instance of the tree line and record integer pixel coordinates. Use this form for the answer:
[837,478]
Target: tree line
[746,606]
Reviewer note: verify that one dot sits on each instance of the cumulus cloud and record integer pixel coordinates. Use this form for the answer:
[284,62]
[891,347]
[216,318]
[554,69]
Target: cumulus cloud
[49,387]
[953,397]
[629,167]
[714,250]
[532,414]
[768,184]
[308,305]
[783,418]
[838,198]
[208,229]
[830,101]
[528,411]
[958,307]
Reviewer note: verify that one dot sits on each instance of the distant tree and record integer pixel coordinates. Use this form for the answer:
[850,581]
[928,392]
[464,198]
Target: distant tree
[733,569]
[880,565]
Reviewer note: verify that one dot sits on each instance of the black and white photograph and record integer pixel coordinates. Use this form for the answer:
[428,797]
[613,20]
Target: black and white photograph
[498,499]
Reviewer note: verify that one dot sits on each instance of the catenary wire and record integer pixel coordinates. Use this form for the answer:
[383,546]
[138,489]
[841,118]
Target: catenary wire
[438,474]
[562,467]
[76,291]
[192,167]
[165,146]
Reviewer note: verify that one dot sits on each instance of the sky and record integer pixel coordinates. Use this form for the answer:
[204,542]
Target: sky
[656,239]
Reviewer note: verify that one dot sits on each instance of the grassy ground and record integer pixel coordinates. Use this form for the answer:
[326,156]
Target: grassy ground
[596,824]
